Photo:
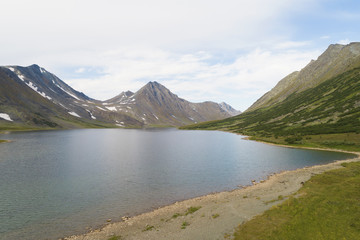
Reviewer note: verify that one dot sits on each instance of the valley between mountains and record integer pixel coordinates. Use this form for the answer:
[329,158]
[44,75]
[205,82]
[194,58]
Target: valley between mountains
[317,106]
[33,98]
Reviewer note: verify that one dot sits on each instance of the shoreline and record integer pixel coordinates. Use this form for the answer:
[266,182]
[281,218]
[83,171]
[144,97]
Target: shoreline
[219,214]
[302,147]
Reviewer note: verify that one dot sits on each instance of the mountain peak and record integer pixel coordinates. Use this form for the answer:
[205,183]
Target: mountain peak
[128,93]
[154,87]
[37,68]
[154,84]
[34,66]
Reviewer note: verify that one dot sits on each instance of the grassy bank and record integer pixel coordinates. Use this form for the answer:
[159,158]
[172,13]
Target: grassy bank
[340,141]
[326,207]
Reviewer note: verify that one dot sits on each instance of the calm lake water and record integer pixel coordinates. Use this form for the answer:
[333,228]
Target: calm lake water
[58,183]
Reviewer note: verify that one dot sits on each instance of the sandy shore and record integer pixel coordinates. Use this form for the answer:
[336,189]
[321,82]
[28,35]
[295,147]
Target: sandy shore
[219,214]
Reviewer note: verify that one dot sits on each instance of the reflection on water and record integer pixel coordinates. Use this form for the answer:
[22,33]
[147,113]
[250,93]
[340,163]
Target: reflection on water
[58,183]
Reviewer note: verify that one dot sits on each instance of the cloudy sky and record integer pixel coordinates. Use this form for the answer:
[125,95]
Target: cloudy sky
[228,50]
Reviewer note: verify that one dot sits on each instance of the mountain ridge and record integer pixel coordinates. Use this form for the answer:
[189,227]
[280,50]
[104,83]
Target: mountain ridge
[40,99]
[335,60]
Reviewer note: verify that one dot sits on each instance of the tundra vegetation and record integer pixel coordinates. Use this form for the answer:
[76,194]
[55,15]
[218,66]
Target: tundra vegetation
[326,207]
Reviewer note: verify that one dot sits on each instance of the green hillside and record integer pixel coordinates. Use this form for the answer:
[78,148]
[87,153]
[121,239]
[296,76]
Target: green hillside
[327,115]
[335,60]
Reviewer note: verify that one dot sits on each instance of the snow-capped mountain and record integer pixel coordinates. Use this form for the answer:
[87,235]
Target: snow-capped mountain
[32,96]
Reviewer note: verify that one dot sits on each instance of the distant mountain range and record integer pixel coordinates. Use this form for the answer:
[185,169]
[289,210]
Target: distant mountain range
[322,98]
[31,98]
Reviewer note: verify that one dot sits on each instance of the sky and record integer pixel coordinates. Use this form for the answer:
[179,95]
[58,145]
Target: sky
[229,51]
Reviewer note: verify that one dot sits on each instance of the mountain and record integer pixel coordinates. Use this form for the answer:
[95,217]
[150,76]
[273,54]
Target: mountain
[232,111]
[156,105]
[34,98]
[334,61]
[31,98]
[319,105]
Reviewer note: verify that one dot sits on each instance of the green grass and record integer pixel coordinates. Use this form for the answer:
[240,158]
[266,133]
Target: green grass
[115,237]
[148,228]
[176,215]
[216,215]
[184,225]
[327,207]
[3,141]
[280,197]
[188,211]
[341,141]
[191,210]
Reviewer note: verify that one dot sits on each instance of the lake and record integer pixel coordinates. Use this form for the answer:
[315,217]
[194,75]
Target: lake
[59,183]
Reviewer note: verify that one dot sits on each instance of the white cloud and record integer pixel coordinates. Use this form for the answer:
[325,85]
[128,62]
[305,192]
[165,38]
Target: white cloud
[194,76]
[344,41]
[231,50]
[80,70]
[56,27]
[291,44]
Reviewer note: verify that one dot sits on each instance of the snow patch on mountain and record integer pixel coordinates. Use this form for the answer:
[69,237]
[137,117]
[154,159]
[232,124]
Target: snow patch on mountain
[67,92]
[111,108]
[6,117]
[74,114]
[22,77]
[101,108]
[33,87]
[61,105]
[91,115]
